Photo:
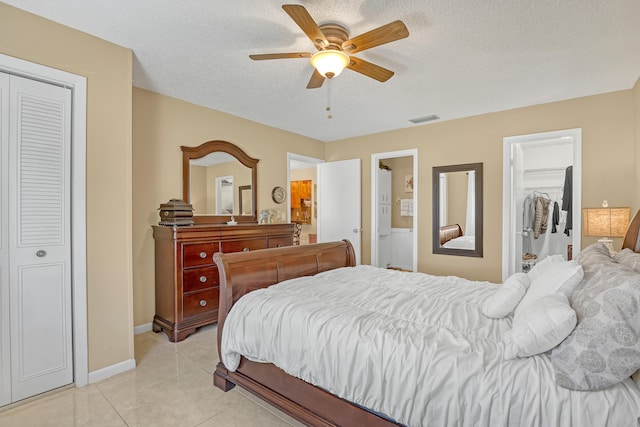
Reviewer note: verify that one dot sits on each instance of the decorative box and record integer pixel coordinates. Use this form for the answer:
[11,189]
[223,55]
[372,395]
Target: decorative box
[176,212]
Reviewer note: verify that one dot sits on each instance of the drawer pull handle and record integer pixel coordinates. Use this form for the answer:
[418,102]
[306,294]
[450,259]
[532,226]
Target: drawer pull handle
[203,279]
[203,255]
[245,249]
[203,303]
[279,245]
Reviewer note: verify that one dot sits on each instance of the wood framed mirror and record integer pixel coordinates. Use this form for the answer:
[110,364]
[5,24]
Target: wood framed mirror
[211,173]
[457,210]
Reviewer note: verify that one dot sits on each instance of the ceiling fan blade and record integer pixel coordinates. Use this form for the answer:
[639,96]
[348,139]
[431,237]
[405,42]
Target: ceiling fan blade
[370,70]
[393,31]
[300,15]
[316,80]
[263,56]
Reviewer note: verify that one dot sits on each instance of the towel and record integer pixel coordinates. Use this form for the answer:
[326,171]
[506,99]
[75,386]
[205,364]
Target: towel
[406,207]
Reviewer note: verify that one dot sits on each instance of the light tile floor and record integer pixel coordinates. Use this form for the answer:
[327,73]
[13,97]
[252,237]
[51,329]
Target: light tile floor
[171,386]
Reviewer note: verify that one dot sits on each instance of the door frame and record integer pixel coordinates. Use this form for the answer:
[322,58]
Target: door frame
[375,160]
[78,86]
[508,203]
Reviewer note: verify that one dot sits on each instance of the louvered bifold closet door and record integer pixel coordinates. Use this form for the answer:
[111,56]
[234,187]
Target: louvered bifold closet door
[39,228]
[5,360]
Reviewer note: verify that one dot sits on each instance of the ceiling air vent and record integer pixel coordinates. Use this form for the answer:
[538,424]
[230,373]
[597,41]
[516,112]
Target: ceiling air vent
[425,119]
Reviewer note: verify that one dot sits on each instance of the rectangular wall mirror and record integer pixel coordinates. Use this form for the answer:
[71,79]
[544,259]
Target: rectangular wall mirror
[457,210]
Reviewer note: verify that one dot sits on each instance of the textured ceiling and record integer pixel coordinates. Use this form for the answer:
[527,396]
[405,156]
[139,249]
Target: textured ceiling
[462,58]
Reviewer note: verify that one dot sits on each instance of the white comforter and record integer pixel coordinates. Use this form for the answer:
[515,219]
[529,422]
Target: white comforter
[412,346]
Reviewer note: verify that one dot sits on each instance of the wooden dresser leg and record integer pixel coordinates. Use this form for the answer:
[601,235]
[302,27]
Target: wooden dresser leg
[220,378]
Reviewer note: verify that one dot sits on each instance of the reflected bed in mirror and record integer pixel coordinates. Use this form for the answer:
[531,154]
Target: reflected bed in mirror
[457,210]
[219,180]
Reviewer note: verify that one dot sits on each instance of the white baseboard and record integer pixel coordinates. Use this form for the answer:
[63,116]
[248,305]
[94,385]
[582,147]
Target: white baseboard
[112,370]
[140,329]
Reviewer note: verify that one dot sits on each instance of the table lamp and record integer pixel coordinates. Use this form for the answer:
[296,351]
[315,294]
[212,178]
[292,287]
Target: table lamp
[605,222]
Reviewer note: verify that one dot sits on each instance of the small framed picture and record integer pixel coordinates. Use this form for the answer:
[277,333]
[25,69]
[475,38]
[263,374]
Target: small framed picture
[408,183]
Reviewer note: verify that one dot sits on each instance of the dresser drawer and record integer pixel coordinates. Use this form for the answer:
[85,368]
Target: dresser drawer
[196,254]
[243,245]
[200,302]
[194,279]
[276,242]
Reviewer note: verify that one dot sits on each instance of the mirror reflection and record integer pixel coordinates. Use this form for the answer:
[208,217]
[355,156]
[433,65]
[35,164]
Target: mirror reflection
[215,180]
[457,209]
[219,181]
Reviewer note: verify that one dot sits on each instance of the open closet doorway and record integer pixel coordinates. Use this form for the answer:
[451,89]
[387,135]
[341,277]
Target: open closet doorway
[542,178]
[302,205]
[394,204]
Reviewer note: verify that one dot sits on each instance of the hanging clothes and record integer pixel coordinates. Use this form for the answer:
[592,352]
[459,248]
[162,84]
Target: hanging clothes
[528,214]
[555,218]
[542,216]
[567,199]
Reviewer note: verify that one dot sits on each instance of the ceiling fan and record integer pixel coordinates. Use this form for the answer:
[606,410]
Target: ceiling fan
[335,47]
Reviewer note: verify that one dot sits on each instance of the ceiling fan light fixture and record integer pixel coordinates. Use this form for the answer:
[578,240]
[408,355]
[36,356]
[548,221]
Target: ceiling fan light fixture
[330,63]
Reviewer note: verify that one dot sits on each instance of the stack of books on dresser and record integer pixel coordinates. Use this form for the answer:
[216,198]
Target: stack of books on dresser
[176,212]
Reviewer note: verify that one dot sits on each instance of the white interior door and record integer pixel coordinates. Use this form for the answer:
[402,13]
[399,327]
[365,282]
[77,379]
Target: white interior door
[39,237]
[339,206]
[5,359]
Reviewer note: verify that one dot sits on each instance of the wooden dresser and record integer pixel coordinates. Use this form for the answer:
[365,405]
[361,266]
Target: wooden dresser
[187,282]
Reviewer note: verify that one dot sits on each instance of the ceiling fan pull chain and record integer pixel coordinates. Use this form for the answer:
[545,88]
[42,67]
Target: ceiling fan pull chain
[329,116]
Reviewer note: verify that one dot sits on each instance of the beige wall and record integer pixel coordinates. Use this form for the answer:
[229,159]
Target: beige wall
[607,137]
[160,126]
[107,68]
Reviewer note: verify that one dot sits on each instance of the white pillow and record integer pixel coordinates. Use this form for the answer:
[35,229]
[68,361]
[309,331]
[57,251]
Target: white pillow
[540,327]
[507,297]
[560,277]
[541,266]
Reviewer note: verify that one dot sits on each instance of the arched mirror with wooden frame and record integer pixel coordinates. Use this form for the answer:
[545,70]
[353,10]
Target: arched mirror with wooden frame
[212,175]
[457,210]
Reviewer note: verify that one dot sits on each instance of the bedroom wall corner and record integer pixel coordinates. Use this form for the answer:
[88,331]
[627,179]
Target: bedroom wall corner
[108,70]
[162,124]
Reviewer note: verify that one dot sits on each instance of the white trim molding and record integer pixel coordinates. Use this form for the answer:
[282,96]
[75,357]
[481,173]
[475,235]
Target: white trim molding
[110,371]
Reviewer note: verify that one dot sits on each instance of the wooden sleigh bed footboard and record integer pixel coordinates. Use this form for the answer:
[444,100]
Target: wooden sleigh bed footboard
[241,273]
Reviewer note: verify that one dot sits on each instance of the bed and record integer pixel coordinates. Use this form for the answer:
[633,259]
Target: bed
[452,237]
[505,392]
[449,232]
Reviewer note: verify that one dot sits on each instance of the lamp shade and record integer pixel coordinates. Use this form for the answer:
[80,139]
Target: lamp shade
[330,63]
[605,222]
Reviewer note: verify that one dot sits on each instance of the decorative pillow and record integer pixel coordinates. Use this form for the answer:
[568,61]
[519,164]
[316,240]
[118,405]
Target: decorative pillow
[592,258]
[559,277]
[539,327]
[594,253]
[541,266]
[507,297]
[628,258]
[604,348]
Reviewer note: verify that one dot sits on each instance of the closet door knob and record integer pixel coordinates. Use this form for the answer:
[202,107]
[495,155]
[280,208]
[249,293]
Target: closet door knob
[41,253]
